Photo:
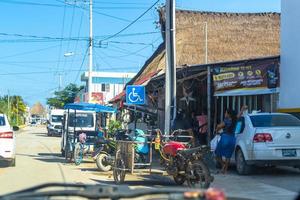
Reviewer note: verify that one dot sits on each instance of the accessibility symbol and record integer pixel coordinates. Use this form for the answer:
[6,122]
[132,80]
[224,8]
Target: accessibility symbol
[135,94]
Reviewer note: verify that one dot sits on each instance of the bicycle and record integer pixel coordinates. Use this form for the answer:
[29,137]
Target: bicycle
[79,149]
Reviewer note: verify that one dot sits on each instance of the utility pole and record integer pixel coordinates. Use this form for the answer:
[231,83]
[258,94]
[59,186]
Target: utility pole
[90,53]
[170,81]
[208,88]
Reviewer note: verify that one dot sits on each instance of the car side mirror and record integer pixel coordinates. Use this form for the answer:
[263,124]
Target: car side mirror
[15,128]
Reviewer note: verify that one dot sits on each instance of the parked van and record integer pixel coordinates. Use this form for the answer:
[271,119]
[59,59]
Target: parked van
[54,126]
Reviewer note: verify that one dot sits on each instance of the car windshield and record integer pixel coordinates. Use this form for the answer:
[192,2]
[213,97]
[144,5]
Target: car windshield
[57,118]
[274,120]
[2,121]
[81,120]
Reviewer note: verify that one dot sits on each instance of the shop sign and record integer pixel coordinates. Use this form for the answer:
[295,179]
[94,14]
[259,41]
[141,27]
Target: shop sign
[259,78]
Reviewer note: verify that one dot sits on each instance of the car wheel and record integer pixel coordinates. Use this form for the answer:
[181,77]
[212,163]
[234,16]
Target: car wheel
[63,153]
[242,167]
[13,162]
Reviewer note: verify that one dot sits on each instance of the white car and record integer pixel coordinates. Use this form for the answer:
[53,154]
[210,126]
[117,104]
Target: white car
[7,141]
[267,139]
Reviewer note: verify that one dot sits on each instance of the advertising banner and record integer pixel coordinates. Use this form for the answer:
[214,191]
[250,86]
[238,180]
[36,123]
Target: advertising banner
[97,97]
[252,79]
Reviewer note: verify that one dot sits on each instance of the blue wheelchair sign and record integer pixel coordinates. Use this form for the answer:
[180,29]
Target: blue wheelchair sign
[135,94]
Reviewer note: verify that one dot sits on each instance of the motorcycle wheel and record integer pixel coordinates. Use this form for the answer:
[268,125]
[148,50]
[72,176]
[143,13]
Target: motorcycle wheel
[103,165]
[78,154]
[179,179]
[199,175]
[119,170]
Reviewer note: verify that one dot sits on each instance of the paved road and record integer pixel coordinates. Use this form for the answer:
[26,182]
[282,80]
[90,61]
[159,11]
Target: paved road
[39,161]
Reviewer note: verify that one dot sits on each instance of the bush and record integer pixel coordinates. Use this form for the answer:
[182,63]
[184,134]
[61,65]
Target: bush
[113,126]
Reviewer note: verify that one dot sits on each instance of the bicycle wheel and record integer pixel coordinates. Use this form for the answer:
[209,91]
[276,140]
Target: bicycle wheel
[78,153]
[198,175]
[119,170]
[68,152]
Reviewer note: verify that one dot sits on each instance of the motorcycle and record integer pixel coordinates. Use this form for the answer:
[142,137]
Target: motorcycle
[104,155]
[183,163]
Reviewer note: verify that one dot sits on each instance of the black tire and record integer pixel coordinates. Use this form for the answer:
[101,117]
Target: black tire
[12,162]
[242,167]
[68,153]
[63,153]
[119,171]
[198,175]
[179,179]
[101,164]
[78,154]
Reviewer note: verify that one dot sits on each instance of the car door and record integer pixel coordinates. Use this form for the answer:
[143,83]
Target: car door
[239,133]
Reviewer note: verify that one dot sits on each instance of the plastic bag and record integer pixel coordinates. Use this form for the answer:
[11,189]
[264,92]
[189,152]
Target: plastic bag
[214,142]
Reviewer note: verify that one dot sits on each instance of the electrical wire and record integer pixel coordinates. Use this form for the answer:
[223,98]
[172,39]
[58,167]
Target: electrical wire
[41,37]
[29,52]
[128,53]
[70,33]
[61,34]
[130,24]
[76,44]
[86,52]
[97,12]
[60,6]
[62,39]
[29,3]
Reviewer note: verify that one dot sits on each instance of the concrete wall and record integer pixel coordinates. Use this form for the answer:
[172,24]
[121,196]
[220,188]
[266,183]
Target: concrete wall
[290,55]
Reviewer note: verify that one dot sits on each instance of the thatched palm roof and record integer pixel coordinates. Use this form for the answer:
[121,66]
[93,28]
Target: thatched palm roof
[231,36]
[37,109]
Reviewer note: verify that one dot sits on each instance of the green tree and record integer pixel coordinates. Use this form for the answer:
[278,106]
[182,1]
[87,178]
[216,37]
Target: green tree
[67,95]
[16,110]
[113,126]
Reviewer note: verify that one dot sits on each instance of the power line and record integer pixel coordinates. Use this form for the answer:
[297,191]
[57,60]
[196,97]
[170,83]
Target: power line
[70,33]
[29,52]
[128,53]
[100,13]
[29,3]
[60,6]
[79,30]
[117,3]
[61,34]
[47,38]
[41,37]
[86,52]
[130,24]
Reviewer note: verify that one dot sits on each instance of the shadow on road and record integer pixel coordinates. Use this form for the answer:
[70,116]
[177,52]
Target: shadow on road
[52,160]
[145,180]
[89,169]
[50,154]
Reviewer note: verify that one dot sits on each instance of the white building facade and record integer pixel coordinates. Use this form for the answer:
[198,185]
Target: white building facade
[105,85]
[289,98]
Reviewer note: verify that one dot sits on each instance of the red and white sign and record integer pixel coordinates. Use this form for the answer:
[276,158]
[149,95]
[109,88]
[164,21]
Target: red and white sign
[97,97]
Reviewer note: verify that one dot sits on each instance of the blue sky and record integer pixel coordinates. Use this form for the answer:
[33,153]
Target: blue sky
[31,66]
